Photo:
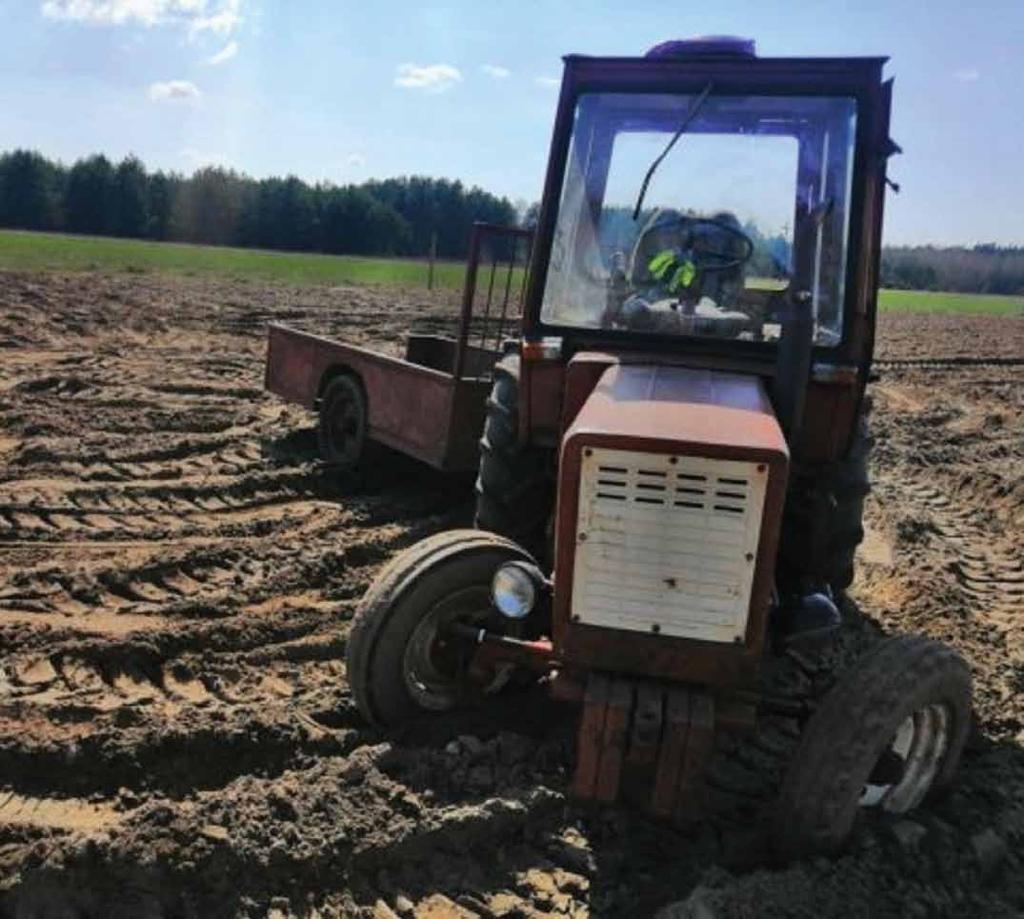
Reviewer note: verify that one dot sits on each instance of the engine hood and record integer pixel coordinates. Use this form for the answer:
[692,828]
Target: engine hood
[665,408]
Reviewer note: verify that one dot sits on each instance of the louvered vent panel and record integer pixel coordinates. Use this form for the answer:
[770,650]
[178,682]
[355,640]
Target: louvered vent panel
[667,544]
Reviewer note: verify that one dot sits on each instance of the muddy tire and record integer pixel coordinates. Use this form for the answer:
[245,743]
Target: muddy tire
[908,698]
[397,665]
[514,487]
[822,524]
[848,488]
[341,432]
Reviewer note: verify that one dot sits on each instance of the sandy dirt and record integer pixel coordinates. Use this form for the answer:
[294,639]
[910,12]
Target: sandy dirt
[177,575]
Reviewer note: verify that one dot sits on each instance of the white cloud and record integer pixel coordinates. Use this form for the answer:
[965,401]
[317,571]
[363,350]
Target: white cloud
[547,81]
[966,75]
[432,78]
[173,90]
[197,15]
[223,21]
[493,70]
[112,12]
[225,54]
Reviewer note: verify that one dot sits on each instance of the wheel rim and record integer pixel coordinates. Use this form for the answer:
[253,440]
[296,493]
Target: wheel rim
[920,742]
[435,666]
[345,428]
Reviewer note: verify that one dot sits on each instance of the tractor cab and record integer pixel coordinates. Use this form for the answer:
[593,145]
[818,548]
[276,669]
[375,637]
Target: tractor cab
[693,193]
[678,214]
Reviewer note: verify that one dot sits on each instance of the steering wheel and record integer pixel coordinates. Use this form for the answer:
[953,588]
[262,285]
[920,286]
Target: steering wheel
[708,260]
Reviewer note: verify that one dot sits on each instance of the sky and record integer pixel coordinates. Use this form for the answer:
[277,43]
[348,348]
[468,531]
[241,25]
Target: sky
[339,91]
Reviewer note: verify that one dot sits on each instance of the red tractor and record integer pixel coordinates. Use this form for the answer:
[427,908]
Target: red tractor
[674,457]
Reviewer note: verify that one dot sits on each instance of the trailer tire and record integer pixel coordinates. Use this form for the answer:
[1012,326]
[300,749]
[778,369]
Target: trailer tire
[908,690]
[440,579]
[515,483]
[342,428]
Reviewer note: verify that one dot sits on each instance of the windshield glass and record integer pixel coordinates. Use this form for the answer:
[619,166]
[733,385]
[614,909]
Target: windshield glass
[751,201]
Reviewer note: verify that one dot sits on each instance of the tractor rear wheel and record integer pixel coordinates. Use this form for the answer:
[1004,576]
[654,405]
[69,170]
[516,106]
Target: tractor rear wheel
[848,487]
[888,735]
[514,487]
[399,659]
[822,523]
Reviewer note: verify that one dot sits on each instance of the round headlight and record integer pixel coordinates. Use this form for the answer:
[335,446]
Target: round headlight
[514,590]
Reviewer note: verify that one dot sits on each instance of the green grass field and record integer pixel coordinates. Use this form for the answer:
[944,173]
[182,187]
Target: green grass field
[926,301]
[52,251]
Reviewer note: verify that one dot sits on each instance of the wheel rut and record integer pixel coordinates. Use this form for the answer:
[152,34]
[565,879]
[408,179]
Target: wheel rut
[989,569]
[177,577]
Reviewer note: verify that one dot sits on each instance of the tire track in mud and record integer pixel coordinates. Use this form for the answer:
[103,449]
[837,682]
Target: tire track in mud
[987,569]
[176,577]
[156,511]
[197,579]
[176,570]
[177,573]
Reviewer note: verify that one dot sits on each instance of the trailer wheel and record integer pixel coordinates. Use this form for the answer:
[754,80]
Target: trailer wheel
[399,661]
[341,432]
[887,735]
[514,487]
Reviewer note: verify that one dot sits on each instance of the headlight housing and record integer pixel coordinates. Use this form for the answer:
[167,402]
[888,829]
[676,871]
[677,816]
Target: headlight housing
[515,588]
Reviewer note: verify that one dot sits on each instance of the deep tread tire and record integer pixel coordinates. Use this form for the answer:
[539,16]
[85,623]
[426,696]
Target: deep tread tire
[822,524]
[400,596]
[514,487]
[840,744]
[848,487]
[342,390]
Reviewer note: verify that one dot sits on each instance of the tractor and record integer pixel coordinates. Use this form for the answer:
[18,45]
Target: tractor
[673,461]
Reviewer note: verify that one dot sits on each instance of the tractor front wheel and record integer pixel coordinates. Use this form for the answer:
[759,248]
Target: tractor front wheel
[888,735]
[400,658]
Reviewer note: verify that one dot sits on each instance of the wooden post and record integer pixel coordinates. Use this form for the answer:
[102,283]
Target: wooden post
[433,256]
[468,293]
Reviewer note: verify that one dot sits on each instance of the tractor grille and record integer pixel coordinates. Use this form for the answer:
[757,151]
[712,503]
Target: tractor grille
[667,544]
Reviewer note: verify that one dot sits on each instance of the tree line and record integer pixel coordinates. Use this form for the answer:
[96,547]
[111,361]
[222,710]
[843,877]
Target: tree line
[223,207]
[986,268]
[384,217]
[982,269]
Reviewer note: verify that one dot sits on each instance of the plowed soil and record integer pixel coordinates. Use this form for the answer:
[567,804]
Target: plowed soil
[177,576]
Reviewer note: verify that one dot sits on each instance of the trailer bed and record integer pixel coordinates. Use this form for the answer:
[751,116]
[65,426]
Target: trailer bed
[415,405]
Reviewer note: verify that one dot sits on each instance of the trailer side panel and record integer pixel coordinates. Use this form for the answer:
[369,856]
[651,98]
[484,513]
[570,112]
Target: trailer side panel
[414,409]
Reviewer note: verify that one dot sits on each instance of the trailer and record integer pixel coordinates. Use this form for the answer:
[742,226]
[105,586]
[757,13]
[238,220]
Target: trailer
[429,404]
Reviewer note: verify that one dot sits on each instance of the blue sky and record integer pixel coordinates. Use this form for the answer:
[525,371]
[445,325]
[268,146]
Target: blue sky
[344,91]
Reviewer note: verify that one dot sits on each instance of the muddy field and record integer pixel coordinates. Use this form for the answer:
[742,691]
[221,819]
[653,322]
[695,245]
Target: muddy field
[177,575]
